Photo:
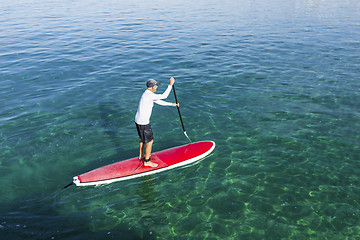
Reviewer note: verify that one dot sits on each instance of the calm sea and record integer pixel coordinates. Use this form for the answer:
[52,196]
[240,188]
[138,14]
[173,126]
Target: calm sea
[275,83]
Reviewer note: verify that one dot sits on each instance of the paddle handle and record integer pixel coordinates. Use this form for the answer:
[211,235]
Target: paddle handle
[182,124]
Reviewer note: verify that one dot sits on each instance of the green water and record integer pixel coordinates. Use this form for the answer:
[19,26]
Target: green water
[274,83]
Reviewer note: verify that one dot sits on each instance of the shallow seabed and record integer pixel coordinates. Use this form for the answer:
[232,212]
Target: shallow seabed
[274,83]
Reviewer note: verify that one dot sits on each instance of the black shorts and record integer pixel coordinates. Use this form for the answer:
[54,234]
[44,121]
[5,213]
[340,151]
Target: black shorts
[145,132]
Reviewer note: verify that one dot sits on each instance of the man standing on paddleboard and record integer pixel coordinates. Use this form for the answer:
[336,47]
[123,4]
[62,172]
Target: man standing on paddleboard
[143,114]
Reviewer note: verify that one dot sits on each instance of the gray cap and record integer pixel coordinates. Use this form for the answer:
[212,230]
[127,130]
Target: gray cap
[151,82]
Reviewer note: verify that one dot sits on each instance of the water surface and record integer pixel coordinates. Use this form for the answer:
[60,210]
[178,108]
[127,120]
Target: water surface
[275,84]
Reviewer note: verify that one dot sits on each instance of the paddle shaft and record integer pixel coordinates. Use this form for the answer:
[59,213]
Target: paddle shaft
[182,124]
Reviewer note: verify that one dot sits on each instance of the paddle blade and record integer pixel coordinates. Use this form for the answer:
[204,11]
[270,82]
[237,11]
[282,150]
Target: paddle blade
[187,136]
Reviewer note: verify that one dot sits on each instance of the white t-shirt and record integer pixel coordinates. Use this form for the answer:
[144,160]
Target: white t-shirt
[146,104]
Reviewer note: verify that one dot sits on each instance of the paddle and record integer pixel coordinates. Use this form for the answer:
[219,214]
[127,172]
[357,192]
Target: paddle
[182,124]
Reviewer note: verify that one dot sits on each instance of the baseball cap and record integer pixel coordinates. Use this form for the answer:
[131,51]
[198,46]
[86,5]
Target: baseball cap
[152,82]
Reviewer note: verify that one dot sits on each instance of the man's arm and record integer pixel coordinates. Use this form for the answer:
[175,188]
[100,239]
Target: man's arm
[167,91]
[164,95]
[163,103]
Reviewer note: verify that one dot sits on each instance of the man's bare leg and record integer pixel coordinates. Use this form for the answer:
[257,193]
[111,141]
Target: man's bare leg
[148,149]
[141,149]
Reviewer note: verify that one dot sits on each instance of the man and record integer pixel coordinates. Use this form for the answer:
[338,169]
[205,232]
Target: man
[143,114]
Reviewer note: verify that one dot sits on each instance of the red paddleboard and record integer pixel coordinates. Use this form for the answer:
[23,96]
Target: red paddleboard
[133,168]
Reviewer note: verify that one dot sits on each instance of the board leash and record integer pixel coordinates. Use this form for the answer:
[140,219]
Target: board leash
[141,162]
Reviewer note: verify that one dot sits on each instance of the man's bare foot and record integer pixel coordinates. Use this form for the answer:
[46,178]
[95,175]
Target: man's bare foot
[150,164]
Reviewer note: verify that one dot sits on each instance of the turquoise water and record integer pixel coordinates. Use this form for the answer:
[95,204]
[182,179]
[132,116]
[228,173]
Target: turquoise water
[274,83]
